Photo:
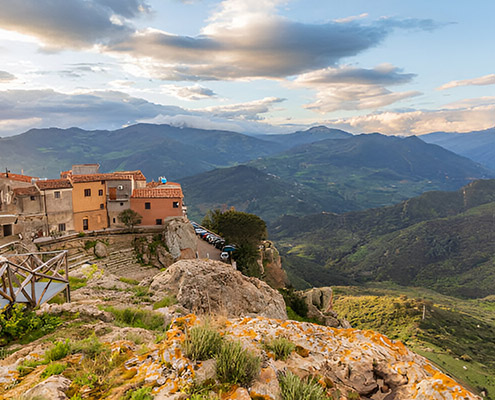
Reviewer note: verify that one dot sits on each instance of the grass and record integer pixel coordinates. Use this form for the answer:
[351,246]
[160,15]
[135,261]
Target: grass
[58,351]
[140,394]
[236,365]
[137,318]
[280,347]
[165,302]
[202,343]
[77,283]
[54,369]
[293,388]
[129,281]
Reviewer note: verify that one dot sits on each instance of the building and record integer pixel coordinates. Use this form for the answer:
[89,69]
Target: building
[89,202]
[57,199]
[155,204]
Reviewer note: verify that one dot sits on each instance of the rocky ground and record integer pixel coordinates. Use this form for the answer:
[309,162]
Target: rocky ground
[126,340]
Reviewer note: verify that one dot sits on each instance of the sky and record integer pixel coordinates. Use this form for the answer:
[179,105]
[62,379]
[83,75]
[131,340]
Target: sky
[253,66]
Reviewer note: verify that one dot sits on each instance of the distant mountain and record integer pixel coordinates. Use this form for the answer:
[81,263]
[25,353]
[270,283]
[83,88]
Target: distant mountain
[479,146]
[440,240]
[314,134]
[155,149]
[331,175]
[250,190]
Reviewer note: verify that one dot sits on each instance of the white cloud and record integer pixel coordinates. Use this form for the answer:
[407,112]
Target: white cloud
[248,111]
[351,18]
[6,76]
[481,81]
[195,92]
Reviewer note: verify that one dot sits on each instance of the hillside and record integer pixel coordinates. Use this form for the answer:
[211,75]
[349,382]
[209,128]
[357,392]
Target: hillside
[334,176]
[478,146]
[155,149]
[440,240]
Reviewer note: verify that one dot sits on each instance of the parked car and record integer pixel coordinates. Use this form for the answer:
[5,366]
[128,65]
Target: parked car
[224,255]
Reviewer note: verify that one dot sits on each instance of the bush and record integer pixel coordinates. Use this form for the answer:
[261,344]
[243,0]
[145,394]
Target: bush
[202,343]
[140,394]
[293,388]
[281,347]
[138,318]
[165,302]
[54,369]
[235,365]
[28,366]
[58,351]
[91,346]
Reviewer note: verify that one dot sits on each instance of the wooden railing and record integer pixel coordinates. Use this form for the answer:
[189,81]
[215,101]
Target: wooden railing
[27,278]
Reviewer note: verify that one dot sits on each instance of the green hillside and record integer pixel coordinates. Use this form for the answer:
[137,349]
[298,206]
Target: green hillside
[457,335]
[440,240]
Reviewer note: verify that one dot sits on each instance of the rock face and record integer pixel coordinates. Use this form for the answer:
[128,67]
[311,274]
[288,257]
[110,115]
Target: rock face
[100,250]
[206,286]
[180,238]
[271,265]
[53,388]
[319,302]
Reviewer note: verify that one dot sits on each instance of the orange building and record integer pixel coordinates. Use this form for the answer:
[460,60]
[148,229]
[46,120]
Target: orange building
[155,204]
[89,199]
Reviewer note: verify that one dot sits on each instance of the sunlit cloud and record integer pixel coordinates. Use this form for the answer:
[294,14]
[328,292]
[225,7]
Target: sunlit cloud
[6,76]
[252,110]
[195,92]
[481,81]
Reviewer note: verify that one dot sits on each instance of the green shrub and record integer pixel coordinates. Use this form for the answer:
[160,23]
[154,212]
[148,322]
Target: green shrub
[293,388]
[54,369]
[91,346]
[138,318]
[202,343]
[140,394]
[89,244]
[17,323]
[165,302]
[281,347]
[58,351]
[77,283]
[236,365]
[28,366]
[129,281]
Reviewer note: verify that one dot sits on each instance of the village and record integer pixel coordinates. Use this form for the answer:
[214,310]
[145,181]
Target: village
[82,199]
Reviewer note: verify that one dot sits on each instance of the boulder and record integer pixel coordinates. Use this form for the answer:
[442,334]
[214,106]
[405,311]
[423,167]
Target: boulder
[271,265]
[53,388]
[101,250]
[207,286]
[180,238]
[319,302]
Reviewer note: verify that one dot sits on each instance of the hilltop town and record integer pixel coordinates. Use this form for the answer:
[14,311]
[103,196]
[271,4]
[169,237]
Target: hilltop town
[83,199]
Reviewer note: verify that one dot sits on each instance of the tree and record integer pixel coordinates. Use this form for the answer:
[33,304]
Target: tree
[130,218]
[244,230]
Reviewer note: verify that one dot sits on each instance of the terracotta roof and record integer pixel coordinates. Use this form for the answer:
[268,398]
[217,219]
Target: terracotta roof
[111,176]
[54,184]
[154,184]
[158,193]
[17,177]
[26,191]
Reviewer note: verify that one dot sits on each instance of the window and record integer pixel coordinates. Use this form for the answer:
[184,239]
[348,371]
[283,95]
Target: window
[87,192]
[147,206]
[100,192]
[102,206]
[32,198]
[114,220]
[121,204]
[61,227]
[158,221]
[175,204]
[57,195]
[85,224]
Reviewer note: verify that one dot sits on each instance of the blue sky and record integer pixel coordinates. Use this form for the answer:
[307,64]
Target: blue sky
[260,66]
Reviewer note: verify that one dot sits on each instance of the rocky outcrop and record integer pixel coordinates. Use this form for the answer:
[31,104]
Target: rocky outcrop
[271,265]
[180,238]
[53,388]
[319,303]
[100,250]
[206,286]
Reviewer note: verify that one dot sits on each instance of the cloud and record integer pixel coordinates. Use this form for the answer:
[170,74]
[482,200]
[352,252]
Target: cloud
[6,76]
[195,92]
[351,88]
[418,122]
[248,39]
[62,24]
[246,111]
[481,81]
[351,18]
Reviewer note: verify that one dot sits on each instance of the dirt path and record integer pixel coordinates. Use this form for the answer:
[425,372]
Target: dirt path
[206,250]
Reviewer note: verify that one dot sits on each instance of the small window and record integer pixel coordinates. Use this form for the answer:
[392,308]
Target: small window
[100,192]
[114,220]
[121,204]
[87,192]
[61,227]
[102,206]
[85,224]
[32,198]
[147,206]
[175,204]
[158,221]
[57,195]
[120,187]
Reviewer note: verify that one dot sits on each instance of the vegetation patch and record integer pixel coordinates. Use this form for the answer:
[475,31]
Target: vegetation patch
[280,347]
[137,318]
[54,369]
[236,365]
[202,343]
[294,388]
[165,302]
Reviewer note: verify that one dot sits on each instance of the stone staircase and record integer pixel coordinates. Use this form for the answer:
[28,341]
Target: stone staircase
[121,261]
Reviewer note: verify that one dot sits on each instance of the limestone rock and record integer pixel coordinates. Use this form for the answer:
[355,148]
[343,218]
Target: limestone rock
[206,372]
[319,302]
[180,238]
[271,263]
[88,310]
[206,286]
[101,250]
[53,388]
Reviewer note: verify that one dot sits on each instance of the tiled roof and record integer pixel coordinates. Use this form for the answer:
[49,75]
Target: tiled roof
[26,191]
[154,184]
[158,193]
[111,176]
[17,177]
[54,184]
